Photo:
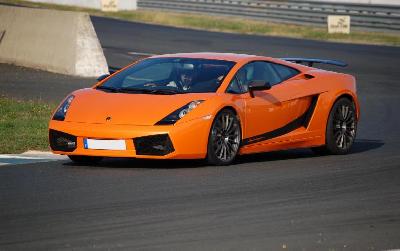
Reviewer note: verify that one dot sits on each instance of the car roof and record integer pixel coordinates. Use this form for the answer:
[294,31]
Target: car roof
[233,57]
[211,55]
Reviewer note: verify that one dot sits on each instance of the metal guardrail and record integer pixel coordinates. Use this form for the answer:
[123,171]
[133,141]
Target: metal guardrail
[364,16]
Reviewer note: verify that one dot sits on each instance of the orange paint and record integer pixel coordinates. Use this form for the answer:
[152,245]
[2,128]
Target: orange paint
[135,115]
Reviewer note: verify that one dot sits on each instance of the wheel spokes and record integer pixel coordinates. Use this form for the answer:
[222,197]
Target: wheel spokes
[344,126]
[339,140]
[226,137]
[345,112]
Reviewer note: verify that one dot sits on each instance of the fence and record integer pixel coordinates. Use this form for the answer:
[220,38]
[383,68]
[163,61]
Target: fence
[363,16]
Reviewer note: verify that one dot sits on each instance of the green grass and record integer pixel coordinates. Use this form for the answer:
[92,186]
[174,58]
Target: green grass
[230,24]
[23,125]
[246,26]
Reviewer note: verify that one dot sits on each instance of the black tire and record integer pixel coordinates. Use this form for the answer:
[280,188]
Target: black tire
[224,138]
[341,128]
[89,160]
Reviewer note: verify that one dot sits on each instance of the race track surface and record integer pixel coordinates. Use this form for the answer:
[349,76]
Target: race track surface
[288,200]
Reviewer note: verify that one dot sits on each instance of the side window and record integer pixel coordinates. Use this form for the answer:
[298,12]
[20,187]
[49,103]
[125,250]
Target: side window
[234,87]
[242,79]
[285,72]
[265,71]
[260,70]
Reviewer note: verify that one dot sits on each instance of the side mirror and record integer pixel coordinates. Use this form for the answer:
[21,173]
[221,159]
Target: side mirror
[258,85]
[102,77]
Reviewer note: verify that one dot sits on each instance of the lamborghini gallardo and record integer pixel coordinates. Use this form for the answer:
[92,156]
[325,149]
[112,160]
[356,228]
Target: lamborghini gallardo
[211,106]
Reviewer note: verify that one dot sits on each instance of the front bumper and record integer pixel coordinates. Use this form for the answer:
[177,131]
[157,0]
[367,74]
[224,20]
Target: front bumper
[188,140]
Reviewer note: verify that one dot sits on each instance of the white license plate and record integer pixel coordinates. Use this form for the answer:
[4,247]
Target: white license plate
[104,144]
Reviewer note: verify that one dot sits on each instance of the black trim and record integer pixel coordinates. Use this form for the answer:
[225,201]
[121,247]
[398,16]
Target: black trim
[157,145]
[61,141]
[310,111]
[303,120]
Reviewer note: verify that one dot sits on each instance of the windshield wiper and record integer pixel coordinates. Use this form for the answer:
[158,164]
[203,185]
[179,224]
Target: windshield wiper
[107,88]
[150,91]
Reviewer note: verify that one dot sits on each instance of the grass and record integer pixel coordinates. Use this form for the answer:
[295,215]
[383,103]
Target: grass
[23,125]
[231,24]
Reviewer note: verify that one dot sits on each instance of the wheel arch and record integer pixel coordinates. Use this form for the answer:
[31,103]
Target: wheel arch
[327,147]
[241,121]
[325,104]
[212,157]
[229,108]
[352,97]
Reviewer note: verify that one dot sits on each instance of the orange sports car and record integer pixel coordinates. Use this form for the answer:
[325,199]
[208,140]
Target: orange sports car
[210,106]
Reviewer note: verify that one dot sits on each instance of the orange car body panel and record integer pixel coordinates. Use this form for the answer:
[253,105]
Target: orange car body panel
[134,115]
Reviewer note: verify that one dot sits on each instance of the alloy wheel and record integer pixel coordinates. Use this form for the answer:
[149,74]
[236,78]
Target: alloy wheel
[225,138]
[344,129]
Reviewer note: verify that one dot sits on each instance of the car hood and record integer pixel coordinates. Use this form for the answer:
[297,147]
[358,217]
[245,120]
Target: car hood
[96,106]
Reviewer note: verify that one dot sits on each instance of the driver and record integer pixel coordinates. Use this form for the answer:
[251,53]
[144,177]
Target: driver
[184,80]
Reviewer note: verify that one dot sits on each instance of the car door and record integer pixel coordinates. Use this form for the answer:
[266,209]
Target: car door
[270,113]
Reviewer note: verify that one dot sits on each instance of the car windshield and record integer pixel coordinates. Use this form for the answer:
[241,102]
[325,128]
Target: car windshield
[170,76]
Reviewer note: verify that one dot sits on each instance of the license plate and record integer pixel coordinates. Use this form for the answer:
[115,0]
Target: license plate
[104,144]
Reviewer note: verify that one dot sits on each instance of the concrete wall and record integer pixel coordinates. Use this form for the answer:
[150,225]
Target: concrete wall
[94,4]
[57,41]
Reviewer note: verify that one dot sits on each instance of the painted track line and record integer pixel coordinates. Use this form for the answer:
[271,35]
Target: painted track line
[140,53]
[29,157]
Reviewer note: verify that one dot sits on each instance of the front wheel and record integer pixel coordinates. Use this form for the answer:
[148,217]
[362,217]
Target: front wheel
[224,139]
[89,160]
[341,128]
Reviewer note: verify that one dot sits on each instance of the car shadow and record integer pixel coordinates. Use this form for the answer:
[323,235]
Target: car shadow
[364,145]
[140,163]
[359,146]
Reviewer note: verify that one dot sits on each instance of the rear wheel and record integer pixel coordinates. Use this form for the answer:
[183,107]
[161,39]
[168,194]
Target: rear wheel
[341,128]
[224,139]
[80,159]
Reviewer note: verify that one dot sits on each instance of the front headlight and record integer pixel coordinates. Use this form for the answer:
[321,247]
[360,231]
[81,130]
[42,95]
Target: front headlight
[180,113]
[62,110]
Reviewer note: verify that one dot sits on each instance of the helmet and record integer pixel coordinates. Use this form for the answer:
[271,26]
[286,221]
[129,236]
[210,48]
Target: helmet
[186,75]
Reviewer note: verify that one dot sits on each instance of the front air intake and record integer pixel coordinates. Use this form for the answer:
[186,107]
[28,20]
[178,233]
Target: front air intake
[153,145]
[60,141]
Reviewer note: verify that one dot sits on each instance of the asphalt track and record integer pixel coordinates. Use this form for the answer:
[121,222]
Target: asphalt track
[287,200]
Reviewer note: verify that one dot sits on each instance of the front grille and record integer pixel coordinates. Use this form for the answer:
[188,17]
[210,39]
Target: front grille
[153,145]
[60,141]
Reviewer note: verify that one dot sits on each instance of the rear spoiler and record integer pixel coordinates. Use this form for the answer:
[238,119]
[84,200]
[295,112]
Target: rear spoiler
[311,61]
